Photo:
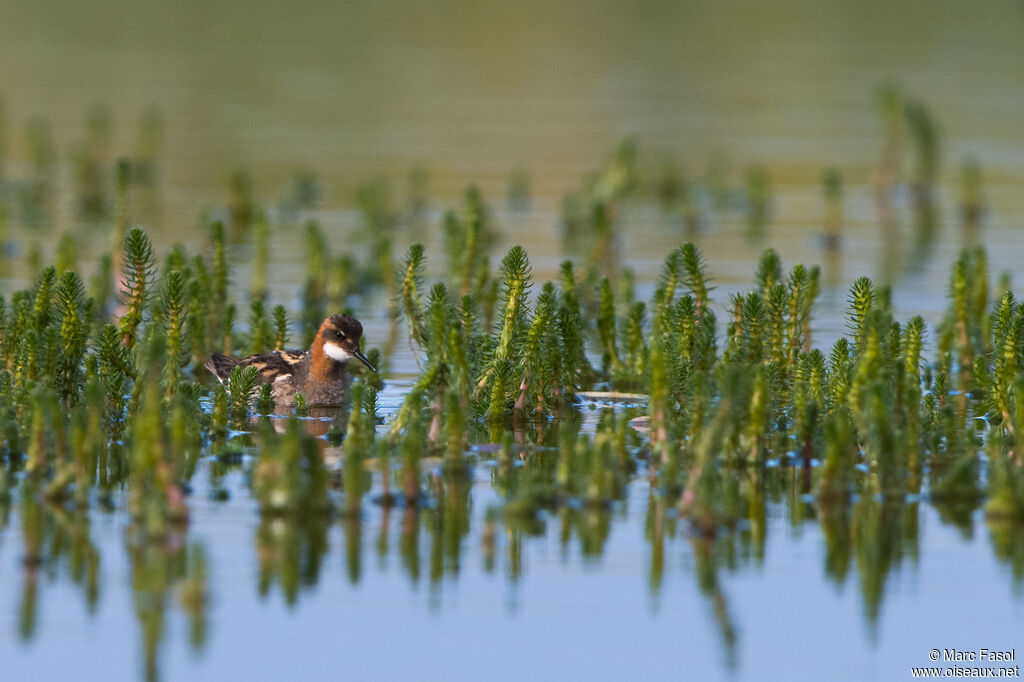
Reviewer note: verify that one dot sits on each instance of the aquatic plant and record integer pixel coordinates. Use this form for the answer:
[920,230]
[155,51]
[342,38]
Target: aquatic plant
[925,144]
[851,435]
[281,327]
[220,313]
[358,445]
[157,450]
[74,313]
[172,311]
[832,185]
[240,202]
[90,161]
[971,197]
[469,236]
[259,327]
[758,198]
[261,257]
[138,270]
[122,205]
[412,306]
[242,384]
[890,167]
[289,477]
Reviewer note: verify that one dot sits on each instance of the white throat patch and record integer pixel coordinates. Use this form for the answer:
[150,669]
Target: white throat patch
[336,352]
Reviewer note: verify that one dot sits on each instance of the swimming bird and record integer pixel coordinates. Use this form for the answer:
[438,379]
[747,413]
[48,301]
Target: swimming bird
[319,374]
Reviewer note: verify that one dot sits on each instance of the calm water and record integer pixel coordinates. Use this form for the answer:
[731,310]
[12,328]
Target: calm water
[472,93]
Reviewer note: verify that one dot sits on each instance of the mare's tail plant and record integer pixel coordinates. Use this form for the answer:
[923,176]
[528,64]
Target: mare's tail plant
[138,269]
[174,314]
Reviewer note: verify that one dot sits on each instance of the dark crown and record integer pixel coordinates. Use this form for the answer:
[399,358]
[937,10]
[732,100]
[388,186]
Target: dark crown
[347,325]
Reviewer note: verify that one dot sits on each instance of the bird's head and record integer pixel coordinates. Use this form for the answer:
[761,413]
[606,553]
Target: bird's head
[340,335]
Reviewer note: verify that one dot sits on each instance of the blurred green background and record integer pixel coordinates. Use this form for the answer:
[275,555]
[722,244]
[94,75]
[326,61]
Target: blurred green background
[470,90]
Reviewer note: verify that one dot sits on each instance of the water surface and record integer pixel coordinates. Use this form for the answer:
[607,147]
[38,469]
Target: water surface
[472,93]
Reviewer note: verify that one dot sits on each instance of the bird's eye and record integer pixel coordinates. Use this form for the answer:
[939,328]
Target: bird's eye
[339,334]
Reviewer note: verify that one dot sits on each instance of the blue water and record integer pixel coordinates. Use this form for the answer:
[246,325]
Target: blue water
[557,615]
